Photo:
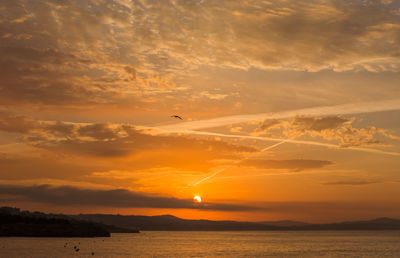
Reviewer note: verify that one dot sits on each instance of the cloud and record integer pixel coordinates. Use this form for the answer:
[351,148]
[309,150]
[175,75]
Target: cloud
[343,109]
[23,167]
[318,123]
[350,136]
[284,140]
[213,96]
[14,123]
[329,128]
[59,128]
[331,211]
[303,124]
[110,140]
[106,52]
[121,140]
[293,35]
[72,54]
[359,182]
[75,150]
[42,77]
[294,164]
[122,198]
[268,124]
[80,146]
[97,132]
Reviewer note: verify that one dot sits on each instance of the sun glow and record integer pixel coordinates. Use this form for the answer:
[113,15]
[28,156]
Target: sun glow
[197,199]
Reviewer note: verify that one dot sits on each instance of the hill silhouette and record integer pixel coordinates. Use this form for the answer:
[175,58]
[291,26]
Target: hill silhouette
[169,222]
[14,222]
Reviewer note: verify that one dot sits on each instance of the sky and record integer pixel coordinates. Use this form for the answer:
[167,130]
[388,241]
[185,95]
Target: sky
[290,109]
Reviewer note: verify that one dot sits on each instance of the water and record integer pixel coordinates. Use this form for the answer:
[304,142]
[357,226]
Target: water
[212,244]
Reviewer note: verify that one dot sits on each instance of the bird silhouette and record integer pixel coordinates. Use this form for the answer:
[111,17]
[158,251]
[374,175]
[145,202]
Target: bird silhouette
[175,116]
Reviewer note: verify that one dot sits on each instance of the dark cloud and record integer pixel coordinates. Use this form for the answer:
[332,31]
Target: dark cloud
[131,71]
[295,35]
[68,53]
[100,52]
[59,128]
[62,146]
[97,131]
[41,77]
[67,195]
[135,143]
[339,209]
[359,182]
[329,128]
[15,124]
[105,140]
[268,124]
[54,167]
[294,164]
[35,69]
[318,123]
[21,124]
[305,123]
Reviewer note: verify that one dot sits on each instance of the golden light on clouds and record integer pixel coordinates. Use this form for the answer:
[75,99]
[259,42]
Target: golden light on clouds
[290,107]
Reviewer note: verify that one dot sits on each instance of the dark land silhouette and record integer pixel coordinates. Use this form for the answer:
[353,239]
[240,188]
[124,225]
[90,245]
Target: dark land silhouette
[169,222]
[14,222]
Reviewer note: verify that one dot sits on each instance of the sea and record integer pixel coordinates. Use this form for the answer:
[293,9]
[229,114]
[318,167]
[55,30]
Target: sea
[212,244]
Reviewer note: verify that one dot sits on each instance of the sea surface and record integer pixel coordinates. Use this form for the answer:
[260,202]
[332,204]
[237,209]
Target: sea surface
[212,244]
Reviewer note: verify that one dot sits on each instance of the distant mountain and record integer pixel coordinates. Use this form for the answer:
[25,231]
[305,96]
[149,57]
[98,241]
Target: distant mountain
[168,222]
[375,224]
[284,223]
[14,222]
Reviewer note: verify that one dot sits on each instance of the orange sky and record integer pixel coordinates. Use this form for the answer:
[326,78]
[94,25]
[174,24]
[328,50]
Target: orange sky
[290,108]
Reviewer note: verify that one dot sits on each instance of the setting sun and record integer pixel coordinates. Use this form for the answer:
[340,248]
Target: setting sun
[197,199]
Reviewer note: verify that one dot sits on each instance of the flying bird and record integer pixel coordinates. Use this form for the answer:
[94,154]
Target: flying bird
[175,116]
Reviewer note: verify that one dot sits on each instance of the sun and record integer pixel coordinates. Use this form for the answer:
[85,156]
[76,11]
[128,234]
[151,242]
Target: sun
[197,199]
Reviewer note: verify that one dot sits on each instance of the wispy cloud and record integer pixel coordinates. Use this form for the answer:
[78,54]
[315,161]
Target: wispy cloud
[355,108]
[347,183]
[99,139]
[316,125]
[68,195]
[281,140]
[237,162]
[208,177]
[293,165]
[328,128]
[141,56]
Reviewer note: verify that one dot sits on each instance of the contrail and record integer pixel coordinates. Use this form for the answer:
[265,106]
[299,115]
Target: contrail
[280,141]
[363,107]
[236,162]
[208,177]
[356,108]
[274,145]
